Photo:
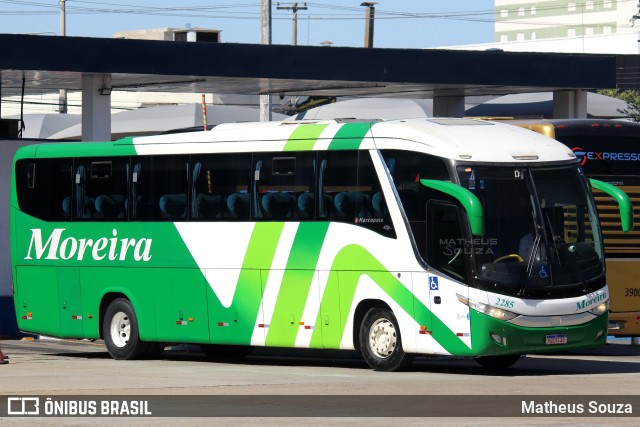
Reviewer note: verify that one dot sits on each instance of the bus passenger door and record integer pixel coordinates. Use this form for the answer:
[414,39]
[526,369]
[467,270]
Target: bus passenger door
[447,255]
[450,325]
[422,309]
[70,302]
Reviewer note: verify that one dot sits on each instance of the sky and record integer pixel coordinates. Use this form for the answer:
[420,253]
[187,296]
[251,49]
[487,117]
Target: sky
[398,24]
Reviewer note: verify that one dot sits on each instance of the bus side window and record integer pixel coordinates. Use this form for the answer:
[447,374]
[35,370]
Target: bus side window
[161,188]
[44,188]
[284,186]
[445,242]
[101,188]
[339,175]
[220,187]
[407,168]
[351,191]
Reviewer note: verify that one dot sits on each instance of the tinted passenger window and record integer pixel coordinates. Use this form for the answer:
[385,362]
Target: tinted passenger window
[284,186]
[446,246]
[407,168]
[220,187]
[159,188]
[101,188]
[351,191]
[44,188]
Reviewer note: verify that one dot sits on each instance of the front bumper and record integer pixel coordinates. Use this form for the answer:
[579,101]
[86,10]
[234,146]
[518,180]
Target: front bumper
[514,339]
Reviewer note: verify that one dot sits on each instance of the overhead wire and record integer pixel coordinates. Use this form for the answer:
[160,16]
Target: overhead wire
[239,11]
[186,11]
[354,13]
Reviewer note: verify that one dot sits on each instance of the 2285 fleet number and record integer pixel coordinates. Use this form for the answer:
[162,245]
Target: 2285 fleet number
[504,303]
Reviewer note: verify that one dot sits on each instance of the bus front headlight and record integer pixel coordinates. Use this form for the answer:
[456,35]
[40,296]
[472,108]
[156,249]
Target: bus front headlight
[495,312]
[600,308]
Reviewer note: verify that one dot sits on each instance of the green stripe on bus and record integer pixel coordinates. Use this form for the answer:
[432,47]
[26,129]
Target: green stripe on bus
[87,149]
[304,137]
[296,284]
[261,251]
[350,136]
[342,287]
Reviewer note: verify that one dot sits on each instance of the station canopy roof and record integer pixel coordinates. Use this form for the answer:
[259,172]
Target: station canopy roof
[50,63]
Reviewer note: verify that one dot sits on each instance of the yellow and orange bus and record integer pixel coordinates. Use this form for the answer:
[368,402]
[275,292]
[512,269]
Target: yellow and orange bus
[609,150]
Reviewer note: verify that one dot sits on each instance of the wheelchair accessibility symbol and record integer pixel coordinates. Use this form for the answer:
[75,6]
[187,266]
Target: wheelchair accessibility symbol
[433,283]
[542,272]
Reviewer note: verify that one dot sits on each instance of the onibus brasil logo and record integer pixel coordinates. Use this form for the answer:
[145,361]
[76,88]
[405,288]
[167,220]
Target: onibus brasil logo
[60,246]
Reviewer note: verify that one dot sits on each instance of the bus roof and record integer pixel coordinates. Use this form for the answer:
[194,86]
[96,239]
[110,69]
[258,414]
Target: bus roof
[474,140]
[459,139]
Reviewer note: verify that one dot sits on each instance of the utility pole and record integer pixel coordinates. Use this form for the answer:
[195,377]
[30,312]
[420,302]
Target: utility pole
[294,19]
[265,38]
[633,20]
[368,25]
[62,97]
[636,16]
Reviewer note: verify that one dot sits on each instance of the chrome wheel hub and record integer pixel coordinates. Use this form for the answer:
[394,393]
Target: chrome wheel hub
[383,338]
[120,329]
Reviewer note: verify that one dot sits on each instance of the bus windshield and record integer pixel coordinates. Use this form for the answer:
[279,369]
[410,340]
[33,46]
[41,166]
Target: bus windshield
[542,233]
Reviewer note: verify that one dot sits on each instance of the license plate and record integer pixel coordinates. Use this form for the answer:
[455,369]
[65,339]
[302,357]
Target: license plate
[556,339]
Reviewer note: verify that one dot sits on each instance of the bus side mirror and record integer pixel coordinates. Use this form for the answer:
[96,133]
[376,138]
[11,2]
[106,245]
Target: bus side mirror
[469,201]
[624,203]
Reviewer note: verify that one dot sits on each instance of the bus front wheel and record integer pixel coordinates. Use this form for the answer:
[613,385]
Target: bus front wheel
[380,341]
[120,331]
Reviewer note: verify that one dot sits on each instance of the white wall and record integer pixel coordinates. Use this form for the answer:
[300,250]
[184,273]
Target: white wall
[603,44]
[7,150]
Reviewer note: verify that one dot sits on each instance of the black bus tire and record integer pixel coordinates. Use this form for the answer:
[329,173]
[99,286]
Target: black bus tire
[120,331]
[380,341]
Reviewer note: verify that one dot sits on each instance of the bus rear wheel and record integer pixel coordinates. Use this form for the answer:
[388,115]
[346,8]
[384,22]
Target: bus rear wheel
[120,331]
[380,341]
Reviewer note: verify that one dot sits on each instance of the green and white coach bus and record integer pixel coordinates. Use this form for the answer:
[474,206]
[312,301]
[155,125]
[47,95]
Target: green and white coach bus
[397,238]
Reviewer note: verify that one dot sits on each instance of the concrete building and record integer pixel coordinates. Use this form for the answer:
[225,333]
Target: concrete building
[172,34]
[526,20]
[579,26]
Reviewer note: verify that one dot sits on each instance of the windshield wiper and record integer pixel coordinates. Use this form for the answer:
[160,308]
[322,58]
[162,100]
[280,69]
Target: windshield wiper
[530,262]
[574,265]
[572,262]
[532,256]
[555,238]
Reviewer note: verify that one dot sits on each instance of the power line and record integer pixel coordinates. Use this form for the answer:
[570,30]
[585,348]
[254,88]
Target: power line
[235,11]
[185,11]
